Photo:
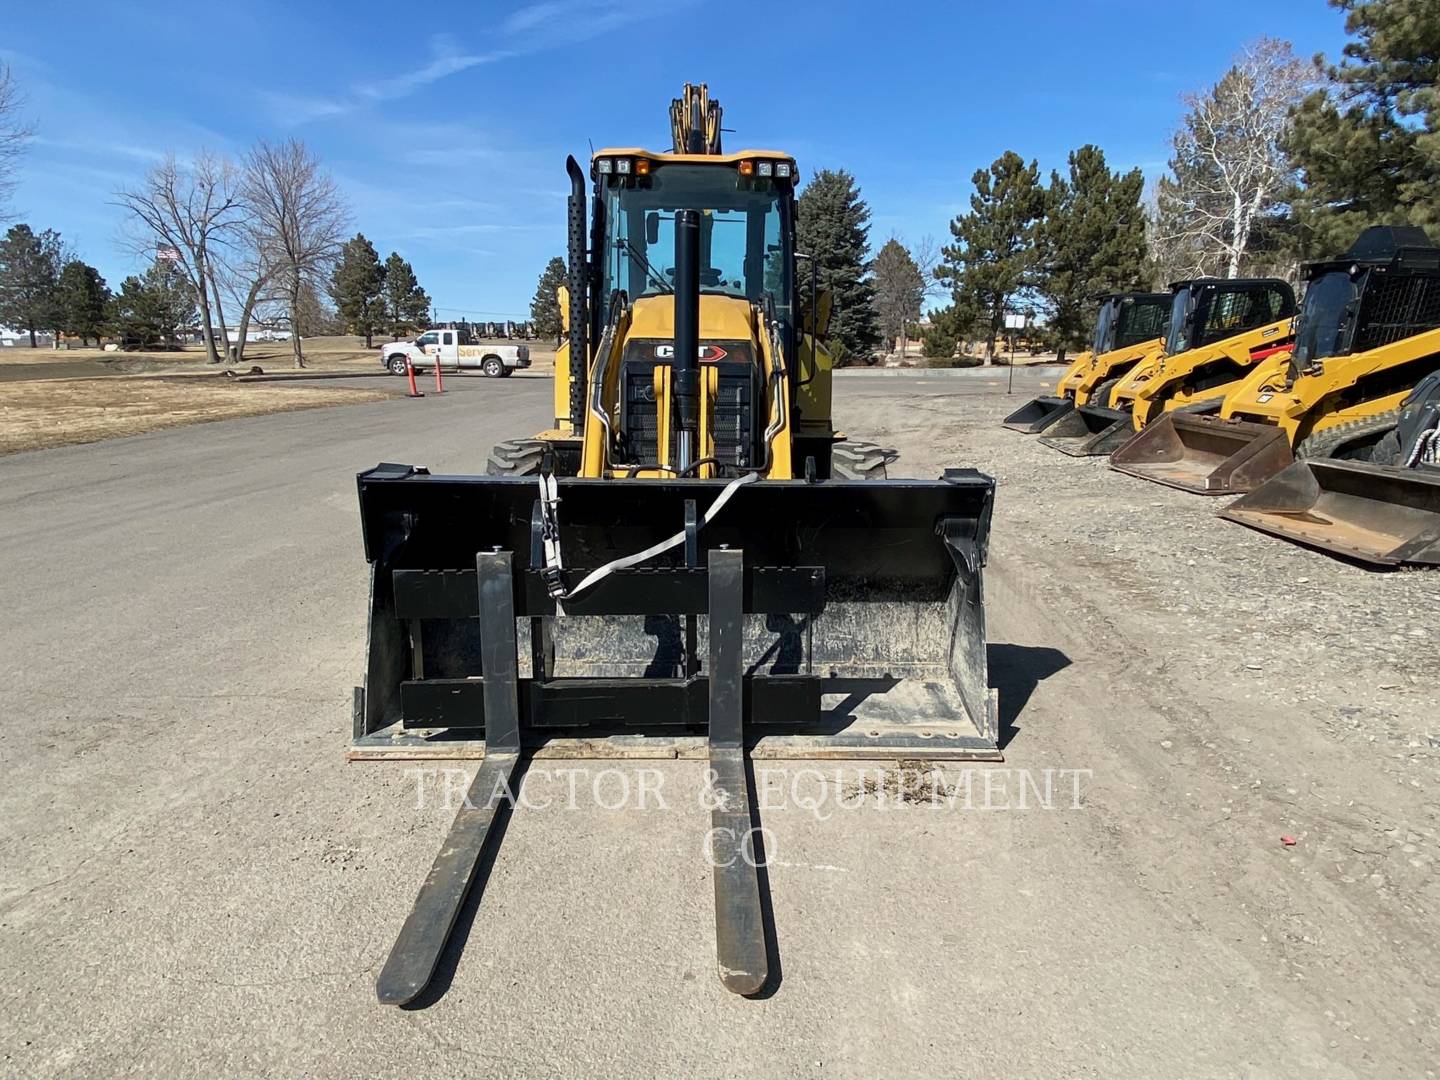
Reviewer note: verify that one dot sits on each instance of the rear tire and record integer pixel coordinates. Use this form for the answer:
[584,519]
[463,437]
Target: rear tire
[853,460]
[1101,396]
[516,457]
[492,367]
[1354,440]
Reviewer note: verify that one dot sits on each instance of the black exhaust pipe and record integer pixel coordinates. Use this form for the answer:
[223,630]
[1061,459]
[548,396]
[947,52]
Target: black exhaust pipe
[577,280]
[685,367]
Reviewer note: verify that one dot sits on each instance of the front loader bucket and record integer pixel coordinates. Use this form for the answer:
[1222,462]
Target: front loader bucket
[1204,454]
[1035,416]
[862,602]
[1089,431]
[830,619]
[1380,514]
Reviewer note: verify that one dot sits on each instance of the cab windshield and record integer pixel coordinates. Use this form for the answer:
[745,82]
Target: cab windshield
[1181,332]
[1103,325]
[1320,330]
[744,233]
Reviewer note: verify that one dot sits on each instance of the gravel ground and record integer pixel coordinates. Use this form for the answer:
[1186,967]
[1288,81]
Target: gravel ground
[194,881]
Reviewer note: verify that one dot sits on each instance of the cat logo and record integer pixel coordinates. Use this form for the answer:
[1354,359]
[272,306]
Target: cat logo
[707,354]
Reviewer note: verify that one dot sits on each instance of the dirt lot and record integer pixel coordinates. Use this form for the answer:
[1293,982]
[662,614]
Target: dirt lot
[41,413]
[196,882]
[53,398]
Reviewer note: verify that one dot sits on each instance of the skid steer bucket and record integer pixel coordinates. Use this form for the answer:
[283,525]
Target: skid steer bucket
[1381,514]
[800,619]
[1089,431]
[1035,416]
[1204,454]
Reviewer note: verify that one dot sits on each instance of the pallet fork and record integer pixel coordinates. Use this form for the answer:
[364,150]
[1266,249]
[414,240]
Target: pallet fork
[764,583]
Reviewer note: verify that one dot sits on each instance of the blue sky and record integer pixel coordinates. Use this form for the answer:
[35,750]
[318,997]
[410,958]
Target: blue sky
[447,124]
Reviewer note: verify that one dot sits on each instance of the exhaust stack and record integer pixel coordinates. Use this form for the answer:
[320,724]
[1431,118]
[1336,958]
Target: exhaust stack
[685,364]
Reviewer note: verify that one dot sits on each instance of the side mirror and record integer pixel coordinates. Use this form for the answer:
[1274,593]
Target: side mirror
[652,227]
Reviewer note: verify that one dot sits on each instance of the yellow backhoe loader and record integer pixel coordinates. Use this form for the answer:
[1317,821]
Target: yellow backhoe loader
[1365,337]
[690,573]
[1128,329]
[1215,329]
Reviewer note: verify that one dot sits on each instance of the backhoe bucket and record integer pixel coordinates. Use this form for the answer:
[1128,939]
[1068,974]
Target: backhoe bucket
[1035,416]
[1380,514]
[1089,431]
[864,631]
[1204,454]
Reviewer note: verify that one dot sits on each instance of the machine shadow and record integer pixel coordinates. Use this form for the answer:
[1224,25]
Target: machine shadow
[1015,671]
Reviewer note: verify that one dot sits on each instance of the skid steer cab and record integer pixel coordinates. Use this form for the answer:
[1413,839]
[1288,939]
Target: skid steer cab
[1215,330]
[1367,334]
[1128,329]
[692,562]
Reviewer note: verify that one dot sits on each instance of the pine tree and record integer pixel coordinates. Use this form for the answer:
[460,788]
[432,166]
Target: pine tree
[994,250]
[82,301]
[1091,240]
[405,302]
[356,287]
[899,291]
[834,229]
[1368,148]
[155,308]
[29,272]
[545,307]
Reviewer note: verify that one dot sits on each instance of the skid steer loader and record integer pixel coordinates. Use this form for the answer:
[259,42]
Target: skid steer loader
[1215,329]
[1365,337]
[1385,511]
[1127,330]
[688,572]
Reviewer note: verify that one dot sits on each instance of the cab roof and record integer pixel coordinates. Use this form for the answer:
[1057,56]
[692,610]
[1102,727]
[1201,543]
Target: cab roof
[698,159]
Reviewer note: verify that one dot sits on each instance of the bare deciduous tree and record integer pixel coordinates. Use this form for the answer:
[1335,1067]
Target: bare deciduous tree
[1229,167]
[300,220]
[13,135]
[189,214]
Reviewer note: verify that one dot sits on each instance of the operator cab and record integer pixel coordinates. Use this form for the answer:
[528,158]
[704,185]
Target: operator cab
[746,205]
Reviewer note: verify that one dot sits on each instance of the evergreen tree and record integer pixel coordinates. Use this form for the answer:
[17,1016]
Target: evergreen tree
[29,273]
[82,300]
[356,287]
[1368,148]
[405,302]
[545,307]
[1091,240]
[155,308]
[994,249]
[899,291]
[834,228]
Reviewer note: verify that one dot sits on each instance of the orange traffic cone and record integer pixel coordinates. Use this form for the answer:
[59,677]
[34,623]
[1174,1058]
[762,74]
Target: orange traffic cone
[410,373]
[439,382]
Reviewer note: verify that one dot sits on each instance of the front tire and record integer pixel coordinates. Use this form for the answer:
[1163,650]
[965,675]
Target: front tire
[397,365]
[854,460]
[492,367]
[516,457]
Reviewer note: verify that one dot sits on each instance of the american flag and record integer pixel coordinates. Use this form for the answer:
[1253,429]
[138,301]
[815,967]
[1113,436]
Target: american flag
[169,254]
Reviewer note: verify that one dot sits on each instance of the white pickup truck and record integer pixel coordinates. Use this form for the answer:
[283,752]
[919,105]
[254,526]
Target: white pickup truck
[453,350]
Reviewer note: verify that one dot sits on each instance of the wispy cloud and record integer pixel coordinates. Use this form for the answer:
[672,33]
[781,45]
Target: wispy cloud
[446,58]
[529,29]
[101,148]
